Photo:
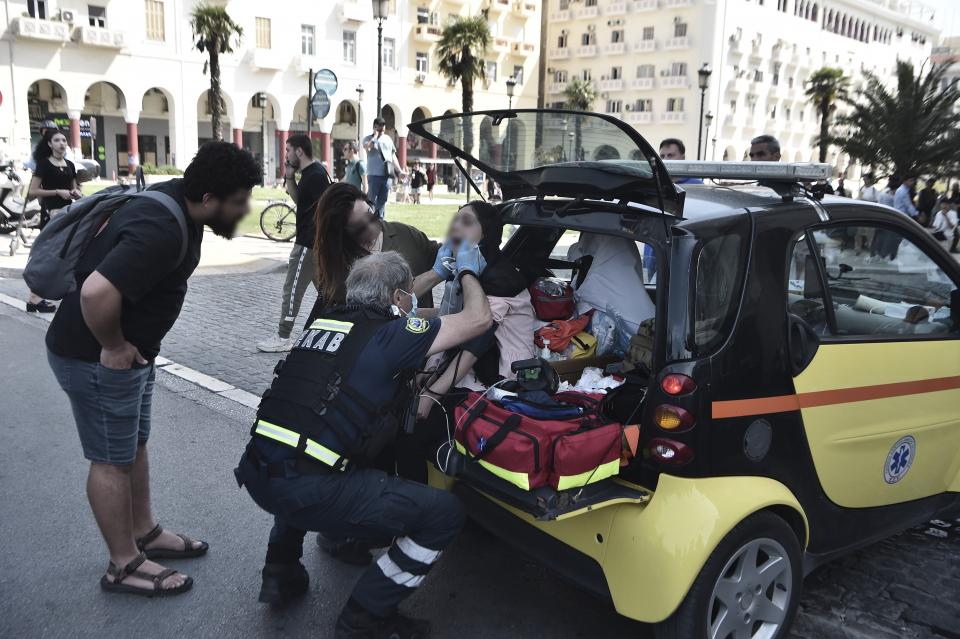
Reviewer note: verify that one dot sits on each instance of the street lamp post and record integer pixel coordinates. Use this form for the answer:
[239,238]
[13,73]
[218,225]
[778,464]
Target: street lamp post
[703,79]
[511,85]
[380,10]
[359,100]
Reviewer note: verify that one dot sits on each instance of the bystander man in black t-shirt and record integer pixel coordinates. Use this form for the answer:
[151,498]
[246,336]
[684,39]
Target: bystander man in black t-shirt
[55,184]
[302,265]
[102,343]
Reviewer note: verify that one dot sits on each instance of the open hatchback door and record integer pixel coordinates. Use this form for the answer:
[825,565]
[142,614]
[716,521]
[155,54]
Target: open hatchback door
[554,153]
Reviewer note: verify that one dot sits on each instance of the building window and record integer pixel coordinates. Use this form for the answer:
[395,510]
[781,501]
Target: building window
[263,33]
[776,74]
[614,106]
[645,71]
[560,76]
[350,47]
[587,38]
[518,73]
[155,20]
[674,105]
[423,62]
[616,73]
[591,3]
[37,9]
[678,69]
[308,39]
[586,76]
[648,33]
[97,16]
[786,113]
[389,53]
[423,15]
[616,36]
[490,72]
[757,75]
[562,40]
[644,106]
[680,30]
[733,106]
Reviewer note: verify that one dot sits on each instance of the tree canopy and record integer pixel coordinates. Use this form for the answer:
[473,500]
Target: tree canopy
[580,95]
[215,30]
[825,87]
[461,50]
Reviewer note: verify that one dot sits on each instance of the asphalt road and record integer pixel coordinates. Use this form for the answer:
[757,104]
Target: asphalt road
[53,555]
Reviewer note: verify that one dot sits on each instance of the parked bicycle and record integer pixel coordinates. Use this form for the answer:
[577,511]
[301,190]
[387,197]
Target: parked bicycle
[279,221]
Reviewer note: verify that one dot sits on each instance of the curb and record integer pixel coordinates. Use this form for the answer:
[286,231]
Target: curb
[204,381]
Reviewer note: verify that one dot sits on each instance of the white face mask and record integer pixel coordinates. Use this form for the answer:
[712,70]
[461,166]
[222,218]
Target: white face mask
[413,306]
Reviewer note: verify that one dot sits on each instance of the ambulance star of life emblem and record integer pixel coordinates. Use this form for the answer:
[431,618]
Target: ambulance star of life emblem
[899,459]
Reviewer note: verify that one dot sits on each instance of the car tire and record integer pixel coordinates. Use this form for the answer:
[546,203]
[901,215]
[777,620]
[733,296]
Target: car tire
[703,613]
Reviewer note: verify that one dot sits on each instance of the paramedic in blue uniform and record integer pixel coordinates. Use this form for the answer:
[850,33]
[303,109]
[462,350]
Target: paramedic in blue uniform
[335,402]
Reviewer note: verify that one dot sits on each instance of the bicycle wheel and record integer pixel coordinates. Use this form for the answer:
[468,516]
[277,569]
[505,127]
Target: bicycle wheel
[279,222]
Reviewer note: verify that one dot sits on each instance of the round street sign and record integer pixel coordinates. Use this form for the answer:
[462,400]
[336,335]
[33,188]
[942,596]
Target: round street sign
[320,104]
[325,80]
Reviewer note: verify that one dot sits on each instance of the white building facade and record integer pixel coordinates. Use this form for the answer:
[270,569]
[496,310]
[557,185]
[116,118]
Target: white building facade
[125,79]
[644,55]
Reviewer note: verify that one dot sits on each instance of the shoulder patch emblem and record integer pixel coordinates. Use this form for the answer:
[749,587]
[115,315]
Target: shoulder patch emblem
[417,325]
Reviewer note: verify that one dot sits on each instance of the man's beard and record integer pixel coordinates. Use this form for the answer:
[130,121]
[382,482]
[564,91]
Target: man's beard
[224,228]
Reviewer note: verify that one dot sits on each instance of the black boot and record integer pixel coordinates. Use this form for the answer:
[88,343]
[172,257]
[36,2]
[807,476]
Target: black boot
[283,583]
[355,622]
[349,551]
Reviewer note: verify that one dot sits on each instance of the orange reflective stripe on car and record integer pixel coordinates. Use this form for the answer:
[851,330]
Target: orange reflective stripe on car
[796,401]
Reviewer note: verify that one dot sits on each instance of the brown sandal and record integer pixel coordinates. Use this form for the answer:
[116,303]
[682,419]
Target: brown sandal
[169,553]
[120,574]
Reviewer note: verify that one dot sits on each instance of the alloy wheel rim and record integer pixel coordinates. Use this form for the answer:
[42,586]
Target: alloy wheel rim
[753,593]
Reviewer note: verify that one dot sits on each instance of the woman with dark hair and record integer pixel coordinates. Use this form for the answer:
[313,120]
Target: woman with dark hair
[55,184]
[511,337]
[349,228]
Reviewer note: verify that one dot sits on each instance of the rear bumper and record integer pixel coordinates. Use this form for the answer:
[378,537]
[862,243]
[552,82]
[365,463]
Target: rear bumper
[643,557]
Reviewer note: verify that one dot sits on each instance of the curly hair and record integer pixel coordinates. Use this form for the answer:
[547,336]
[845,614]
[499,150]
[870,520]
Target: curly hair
[220,169]
[336,250]
[42,151]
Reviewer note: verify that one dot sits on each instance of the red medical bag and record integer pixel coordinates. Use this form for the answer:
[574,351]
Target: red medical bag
[586,456]
[552,299]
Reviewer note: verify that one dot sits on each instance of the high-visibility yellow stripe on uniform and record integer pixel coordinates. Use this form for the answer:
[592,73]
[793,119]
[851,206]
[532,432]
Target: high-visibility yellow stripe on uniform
[331,325]
[290,438]
[321,453]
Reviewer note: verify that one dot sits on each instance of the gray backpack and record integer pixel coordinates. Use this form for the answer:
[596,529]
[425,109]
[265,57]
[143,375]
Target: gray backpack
[51,267]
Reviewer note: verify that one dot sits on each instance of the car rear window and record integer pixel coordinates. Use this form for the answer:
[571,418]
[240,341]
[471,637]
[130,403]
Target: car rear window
[716,290]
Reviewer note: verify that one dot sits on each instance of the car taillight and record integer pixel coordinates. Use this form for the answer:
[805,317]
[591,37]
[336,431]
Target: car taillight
[676,384]
[672,418]
[668,451]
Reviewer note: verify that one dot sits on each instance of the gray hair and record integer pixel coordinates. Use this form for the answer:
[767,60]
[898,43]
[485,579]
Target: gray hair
[772,143]
[374,278]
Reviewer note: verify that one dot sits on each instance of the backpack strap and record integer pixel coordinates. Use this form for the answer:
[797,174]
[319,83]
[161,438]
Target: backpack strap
[171,205]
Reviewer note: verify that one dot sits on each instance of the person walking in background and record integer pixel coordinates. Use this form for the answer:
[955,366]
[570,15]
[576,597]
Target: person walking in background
[886,243]
[869,192]
[903,197]
[381,154]
[301,264]
[927,201]
[417,181]
[101,345]
[841,189]
[764,148]
[355,171]
[54,183]
[864,238]
[431,180]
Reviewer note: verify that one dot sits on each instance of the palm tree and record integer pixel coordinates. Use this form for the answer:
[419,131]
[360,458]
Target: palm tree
[214,29]
[825,87]
[912,128]
[580,95]
[461,49]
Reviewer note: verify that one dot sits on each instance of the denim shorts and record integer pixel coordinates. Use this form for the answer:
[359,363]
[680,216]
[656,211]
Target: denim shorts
[111,407]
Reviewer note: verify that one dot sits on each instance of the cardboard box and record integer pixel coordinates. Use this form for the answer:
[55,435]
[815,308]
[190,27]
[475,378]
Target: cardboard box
[570,369]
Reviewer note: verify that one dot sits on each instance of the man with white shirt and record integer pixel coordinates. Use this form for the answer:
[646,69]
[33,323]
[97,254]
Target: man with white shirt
[380,165]
[945,224]
[869,192]
[903,198]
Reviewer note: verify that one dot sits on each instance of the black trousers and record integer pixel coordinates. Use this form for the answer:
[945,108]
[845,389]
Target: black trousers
[365,504]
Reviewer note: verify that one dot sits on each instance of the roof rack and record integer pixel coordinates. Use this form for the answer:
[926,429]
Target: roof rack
[764,171]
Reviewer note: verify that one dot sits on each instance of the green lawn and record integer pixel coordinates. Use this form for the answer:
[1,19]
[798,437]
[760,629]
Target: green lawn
[431,219]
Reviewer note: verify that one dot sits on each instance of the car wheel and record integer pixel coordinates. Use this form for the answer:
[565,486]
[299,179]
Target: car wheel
[749,588]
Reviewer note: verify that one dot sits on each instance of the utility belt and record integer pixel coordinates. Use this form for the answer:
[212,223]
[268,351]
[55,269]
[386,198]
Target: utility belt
[330,460]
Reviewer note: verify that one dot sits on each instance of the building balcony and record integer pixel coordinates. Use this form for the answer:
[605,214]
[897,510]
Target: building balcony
[639,117]
[615,48]
[560,16]
[674,82]
[525,8]
[587,51]
[738,85]
[644,46]
[501,45]
[615,9]
[35,29]
[267,60]
[498,6]
[644,5]
[736,46]
[559,54]
[611,85]
[677,4]
[641,84]
[556,87]
[354,11]
[672,44]
[673,117]
[524,48]
[587,12]
[94,37]
[303,63]
[427,33]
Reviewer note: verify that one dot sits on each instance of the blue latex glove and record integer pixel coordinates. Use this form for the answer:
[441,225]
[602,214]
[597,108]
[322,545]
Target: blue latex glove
[470,260]
[445,265]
